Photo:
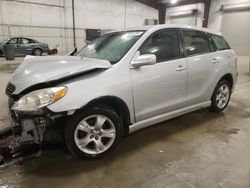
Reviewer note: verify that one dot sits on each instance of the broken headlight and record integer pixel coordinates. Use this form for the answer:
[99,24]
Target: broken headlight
[35,100]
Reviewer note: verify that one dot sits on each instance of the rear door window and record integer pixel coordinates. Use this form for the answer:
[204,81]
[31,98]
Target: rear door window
[220,42]
[24,41]
[196,42]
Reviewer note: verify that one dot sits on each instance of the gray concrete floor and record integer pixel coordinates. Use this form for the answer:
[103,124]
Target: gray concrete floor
[200,149]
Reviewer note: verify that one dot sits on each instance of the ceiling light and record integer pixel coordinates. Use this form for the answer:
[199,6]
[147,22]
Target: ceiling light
[173,1]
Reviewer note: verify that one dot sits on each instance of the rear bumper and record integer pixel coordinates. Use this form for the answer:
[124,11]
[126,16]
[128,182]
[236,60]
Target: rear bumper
[45,50]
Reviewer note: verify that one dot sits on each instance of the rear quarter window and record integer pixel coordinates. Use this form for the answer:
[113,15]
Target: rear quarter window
[220,42]
[31,41]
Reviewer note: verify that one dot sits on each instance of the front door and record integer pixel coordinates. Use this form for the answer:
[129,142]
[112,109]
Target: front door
[162,87]
[13,42]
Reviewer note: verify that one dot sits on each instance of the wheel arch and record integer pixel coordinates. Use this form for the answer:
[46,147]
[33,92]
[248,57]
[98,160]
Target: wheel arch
[228,77]
[115,103]
[36,49]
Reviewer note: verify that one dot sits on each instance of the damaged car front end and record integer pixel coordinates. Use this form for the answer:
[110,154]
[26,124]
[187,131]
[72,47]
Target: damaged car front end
[28,114]
[31,91]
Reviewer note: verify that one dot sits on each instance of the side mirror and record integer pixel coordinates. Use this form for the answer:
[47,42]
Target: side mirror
[143,60]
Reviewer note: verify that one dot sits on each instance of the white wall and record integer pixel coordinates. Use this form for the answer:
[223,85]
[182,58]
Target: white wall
[215,16]
[110,14]
[56,15]
[31,14]
[199,6]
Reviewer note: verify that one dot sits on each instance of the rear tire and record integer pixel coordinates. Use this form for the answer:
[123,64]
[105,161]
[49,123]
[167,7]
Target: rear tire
[221,96]
[94,132]
[37,52]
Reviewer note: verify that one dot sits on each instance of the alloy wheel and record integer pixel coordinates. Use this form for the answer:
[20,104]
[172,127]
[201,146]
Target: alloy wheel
[95,134]
[222,96]
[37,52]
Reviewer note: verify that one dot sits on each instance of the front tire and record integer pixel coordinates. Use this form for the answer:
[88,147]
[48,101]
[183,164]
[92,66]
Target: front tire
[221,96]
[93,133]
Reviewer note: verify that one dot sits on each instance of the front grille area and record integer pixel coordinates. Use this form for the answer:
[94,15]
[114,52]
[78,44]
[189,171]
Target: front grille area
[10,89]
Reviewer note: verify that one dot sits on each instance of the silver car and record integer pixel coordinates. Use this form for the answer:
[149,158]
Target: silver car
[24,46]
[123,81]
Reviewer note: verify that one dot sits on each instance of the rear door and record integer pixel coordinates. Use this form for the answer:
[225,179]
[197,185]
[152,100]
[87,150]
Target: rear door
[25,46]
[202,62]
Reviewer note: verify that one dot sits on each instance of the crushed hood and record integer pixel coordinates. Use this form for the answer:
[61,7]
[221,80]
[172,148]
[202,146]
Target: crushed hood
[35,70]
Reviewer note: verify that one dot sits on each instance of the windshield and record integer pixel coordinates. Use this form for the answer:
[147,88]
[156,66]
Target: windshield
[111,46]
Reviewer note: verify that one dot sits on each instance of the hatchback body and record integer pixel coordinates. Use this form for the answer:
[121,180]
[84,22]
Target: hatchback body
[122,82]
[24,46]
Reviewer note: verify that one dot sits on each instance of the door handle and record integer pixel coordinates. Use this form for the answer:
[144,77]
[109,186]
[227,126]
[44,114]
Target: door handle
[180,68]
[215,60]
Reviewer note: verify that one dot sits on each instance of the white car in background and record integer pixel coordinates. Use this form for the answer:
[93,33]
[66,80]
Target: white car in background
[123,81]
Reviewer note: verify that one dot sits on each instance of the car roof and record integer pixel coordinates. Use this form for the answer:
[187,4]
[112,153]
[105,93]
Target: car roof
[166,26]
[21,38]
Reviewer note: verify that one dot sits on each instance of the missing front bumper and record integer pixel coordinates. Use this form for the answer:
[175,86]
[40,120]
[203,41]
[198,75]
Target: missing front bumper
[28,129]
[38,126]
